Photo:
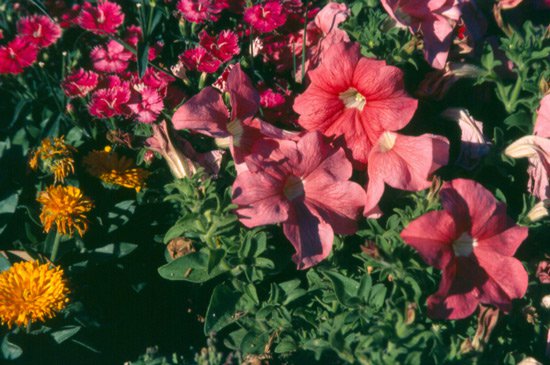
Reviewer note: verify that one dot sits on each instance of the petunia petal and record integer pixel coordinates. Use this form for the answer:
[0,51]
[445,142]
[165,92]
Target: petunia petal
[245,99]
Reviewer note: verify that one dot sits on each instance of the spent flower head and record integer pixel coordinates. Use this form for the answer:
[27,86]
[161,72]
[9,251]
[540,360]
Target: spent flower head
[53,156]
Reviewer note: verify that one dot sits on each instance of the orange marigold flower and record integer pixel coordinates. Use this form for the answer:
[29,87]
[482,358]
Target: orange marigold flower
[66,207]
[55,157]
[114,169]
[31,292]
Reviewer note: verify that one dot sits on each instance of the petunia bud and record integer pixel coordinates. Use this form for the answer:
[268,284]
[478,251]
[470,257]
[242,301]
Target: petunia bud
[523,147]
[545,302]
[529,361]
[539,211]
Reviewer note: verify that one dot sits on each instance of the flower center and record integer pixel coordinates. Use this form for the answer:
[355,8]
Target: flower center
[235,128]
[387,141]
[464,245]
[294,187]
[353,99]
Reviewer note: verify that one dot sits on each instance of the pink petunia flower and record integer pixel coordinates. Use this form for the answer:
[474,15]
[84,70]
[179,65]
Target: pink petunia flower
[200,59]
[537,149]
[356,97]
[200,11]
[104,18]
[265,17]
[146,103]
[224,47]
[435,19]
[17,55]
[39,30]
[112,57]
[79,83]
[472,241]
[303,185]
[402,162]
[330,17]
[107,103]
[473,144]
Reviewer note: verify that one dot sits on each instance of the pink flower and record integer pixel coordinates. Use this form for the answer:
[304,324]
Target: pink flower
[17,55]
[434,18]
[332,15]
[70,16]
[303,185]
[107,103]
[402,162]
[200,11]
[39,30]
[265,17]
[200,59]
[110,58]
[356,97]
[473,143]
[543,272]
[104,18]
[224,47]
[542,124]
[472,241]
[145,103]
[537,149]
[79,83]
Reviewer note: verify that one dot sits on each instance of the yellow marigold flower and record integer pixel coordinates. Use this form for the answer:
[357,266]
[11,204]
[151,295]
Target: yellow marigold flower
[30,292]
[54,156]
[114,169]
[66,207]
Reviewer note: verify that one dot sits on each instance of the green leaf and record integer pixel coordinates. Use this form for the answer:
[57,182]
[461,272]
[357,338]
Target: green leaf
[10,351]
[222,308]
[192,267]
[4,263]
[377,295]
[344,287]
[9,203]
[142,58]
[215,257]
[117,250]
[254,342]
[365,287]
[287,344]
[65,333]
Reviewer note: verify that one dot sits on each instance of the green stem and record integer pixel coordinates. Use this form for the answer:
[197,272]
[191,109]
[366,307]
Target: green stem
[511,102]
[55,248]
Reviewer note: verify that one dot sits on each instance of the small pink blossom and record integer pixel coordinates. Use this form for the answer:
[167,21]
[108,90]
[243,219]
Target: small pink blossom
[107,103]
[303,185]
[200,59]
[356,97]
[39,30]
[543,272]
[224,47]
[265,17]
[472,241]
[200,11]
[17,55]
[104,18]
[79,83]
[146,103]
[70,16]
[112,57]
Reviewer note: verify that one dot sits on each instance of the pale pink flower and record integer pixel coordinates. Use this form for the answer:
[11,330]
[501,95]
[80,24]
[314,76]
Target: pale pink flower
[472,241]
[542,124]
[304,186]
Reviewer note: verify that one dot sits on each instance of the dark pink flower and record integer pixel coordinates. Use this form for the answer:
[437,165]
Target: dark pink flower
[79,83]
[265,17]
[224,47]
[472,241]
[104,18]
[39,30]
[356,97]
[200,59]
[70,17]
[402,162]
[200,11]
[107,103]
[112,57]
[146,103]
[156,80]
[17,55]
[435,19]
[303,185]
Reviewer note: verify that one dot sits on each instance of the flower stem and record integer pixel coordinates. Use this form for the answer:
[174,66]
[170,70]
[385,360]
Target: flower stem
[55,248]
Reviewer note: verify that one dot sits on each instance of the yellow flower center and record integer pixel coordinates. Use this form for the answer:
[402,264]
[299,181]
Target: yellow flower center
[353,99]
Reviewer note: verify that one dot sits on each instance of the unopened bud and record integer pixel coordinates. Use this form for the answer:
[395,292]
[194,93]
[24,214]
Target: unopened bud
[539,211]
